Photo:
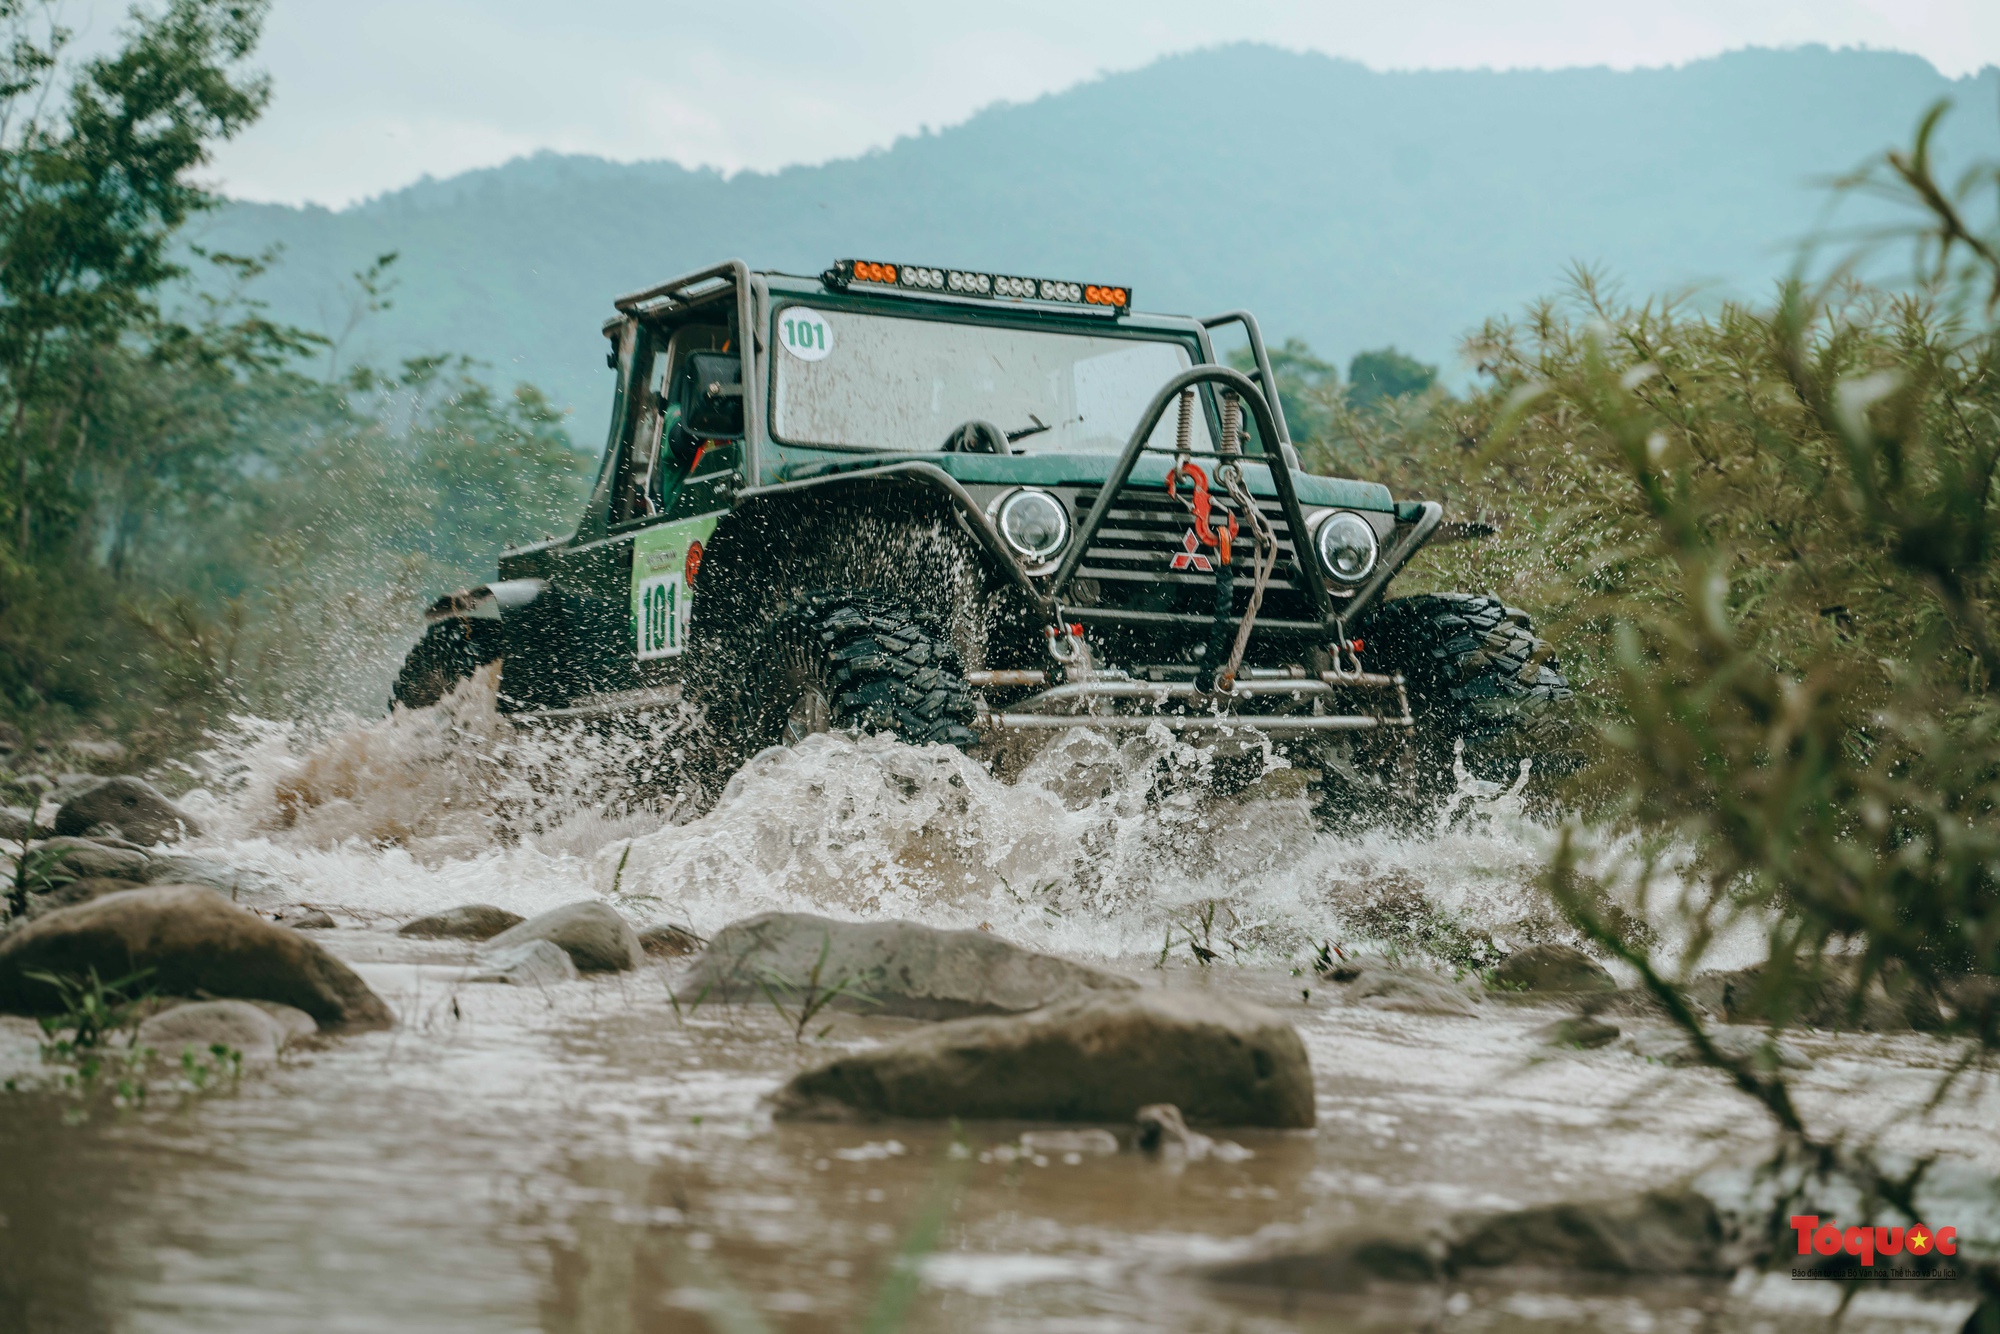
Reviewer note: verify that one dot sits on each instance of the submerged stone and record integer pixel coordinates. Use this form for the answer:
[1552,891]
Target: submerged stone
[532,963]
[241,1026]
[190,941]
[897,968]
[1099,1057]
[595,937]
[1586,1031]
[468,921]
[1551,968]
[1407,991]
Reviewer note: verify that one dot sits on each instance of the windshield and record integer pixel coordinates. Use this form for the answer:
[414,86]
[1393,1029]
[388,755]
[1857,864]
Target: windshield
[881,382]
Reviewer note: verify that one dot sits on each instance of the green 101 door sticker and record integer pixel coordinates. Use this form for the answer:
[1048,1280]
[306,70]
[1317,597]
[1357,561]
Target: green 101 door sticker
[665,563]
[805,333]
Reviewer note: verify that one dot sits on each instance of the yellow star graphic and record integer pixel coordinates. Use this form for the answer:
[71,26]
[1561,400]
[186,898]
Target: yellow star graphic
[1919,1239]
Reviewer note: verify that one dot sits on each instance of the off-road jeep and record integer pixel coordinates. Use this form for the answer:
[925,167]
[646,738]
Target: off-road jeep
[967,506]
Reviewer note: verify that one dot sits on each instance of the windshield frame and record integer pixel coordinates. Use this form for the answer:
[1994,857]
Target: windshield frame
[1191,340]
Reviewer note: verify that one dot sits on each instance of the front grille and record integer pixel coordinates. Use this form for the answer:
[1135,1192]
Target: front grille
[1131,560]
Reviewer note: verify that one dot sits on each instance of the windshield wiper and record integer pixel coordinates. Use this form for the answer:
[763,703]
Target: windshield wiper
[1026,431]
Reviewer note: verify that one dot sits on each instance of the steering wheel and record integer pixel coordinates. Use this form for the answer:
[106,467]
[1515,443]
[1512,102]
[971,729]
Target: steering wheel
[977,436]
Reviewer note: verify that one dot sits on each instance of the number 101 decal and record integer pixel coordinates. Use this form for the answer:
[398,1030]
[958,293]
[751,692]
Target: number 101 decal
[665,564]
[663,608]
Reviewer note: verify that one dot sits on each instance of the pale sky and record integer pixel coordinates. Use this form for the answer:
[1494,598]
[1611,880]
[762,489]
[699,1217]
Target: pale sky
[373,94]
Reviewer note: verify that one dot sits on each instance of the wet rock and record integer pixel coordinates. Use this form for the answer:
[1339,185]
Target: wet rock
[1837,999]
[1162,1130]
[1402,989]
[1666,1231]
[897,968]
[195,944]
[1056,1143]
[1670,1046]
[533,963]
[1099,1057]
[181,869]
[311,919]
[669,942]
[1550,968]
[16,823]
[74,892]
[298,1026]
[1585,1031]
[1337,1266]
[138,808]
[239,1025]
[82,857]
[468,921]
[94,751]
[596,938]
[1676,1231]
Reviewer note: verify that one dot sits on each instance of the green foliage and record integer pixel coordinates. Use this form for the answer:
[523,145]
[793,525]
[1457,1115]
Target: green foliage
[1386,374]
[193,524]
[808,1001]
[1770,541]
[36,871]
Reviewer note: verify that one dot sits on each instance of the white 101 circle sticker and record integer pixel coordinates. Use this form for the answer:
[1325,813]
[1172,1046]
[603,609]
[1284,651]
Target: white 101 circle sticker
[805,333]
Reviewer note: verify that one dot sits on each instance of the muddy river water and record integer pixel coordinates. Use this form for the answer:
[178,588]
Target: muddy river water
[590,1157]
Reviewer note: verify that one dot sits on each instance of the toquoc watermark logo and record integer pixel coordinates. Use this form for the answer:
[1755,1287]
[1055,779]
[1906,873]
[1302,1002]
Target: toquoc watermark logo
[1865,1244]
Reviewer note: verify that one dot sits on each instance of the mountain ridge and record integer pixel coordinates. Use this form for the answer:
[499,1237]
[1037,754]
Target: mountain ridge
[1351,207]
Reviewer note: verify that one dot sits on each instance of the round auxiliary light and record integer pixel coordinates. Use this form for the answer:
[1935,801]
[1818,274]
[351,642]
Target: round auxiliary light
[1034,524]
[1347,546]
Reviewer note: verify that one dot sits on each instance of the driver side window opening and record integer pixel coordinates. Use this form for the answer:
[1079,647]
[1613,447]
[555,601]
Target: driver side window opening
[650,477]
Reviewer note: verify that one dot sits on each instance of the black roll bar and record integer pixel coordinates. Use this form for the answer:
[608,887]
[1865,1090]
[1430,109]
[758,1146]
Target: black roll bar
[1281,481]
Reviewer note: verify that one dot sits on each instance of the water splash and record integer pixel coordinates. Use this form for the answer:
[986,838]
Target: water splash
[1098,845]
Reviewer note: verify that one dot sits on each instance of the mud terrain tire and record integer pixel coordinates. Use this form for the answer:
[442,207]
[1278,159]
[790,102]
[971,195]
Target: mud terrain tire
[449,652]
[1477,673]
[856,660]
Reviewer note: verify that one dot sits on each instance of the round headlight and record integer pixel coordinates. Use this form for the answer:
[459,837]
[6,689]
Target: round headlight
[1347,547]
[1034,524]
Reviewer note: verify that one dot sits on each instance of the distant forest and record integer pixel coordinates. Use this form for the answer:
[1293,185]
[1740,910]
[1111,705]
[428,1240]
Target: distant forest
[1348,208]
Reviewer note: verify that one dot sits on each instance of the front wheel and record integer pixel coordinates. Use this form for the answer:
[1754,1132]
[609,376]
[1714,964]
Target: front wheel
[449,653]
[1493,712]
[855,659]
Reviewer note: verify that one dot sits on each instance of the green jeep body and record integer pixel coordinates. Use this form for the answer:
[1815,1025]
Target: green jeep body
[785,449]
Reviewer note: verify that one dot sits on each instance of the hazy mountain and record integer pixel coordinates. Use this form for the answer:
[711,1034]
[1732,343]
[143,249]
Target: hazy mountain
[1345,206]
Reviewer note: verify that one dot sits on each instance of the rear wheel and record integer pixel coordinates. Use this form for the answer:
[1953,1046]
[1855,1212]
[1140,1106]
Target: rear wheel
[450,652]
[1487,694]
[855,659]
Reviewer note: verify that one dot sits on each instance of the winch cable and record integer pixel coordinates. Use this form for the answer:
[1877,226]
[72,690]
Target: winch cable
[1230,474]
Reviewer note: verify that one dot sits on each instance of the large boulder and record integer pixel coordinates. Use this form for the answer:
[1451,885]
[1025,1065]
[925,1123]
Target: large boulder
[897,968]
[468,921]
[17,823]
[1099,1057]
[141,811]
[591,933]
[1560,968]
[195,943]
[240,1025]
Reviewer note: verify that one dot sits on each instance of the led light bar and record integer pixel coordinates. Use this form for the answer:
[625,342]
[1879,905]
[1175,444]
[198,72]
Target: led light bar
[870,275]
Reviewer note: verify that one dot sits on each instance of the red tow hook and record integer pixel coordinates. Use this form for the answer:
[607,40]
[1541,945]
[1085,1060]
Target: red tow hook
[1211,535]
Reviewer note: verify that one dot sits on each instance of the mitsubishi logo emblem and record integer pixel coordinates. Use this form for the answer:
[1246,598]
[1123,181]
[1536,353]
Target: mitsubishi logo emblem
[1190,557]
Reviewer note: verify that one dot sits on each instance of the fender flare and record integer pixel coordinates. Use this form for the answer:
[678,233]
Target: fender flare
[925,476]
[488,602]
